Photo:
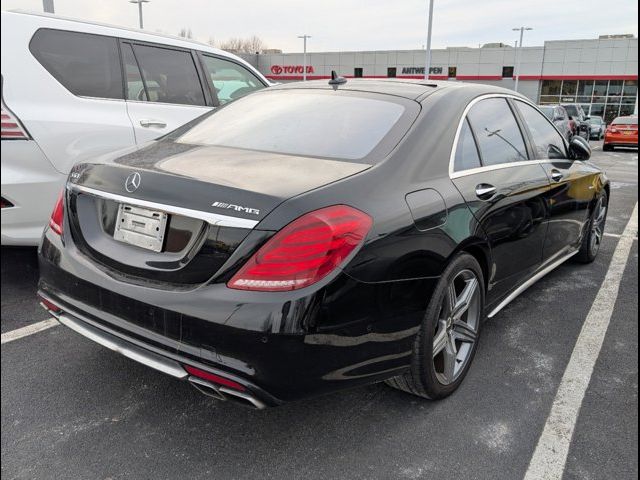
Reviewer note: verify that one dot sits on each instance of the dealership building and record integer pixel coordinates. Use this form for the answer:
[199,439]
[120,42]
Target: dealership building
[601,74]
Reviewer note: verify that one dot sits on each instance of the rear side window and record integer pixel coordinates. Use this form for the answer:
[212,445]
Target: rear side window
[466,151]
[86,65]
[499,137]
[229,80]
[547,140]
[170,76]
[303,122]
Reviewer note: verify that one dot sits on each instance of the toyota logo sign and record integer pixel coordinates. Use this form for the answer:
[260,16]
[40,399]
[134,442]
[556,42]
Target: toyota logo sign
[299,69]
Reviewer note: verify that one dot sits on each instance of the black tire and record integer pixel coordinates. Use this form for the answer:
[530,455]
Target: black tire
[593,237]
[422,379]
[607,148]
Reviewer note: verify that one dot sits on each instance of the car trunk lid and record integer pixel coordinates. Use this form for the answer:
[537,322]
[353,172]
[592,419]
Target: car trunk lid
[212,198]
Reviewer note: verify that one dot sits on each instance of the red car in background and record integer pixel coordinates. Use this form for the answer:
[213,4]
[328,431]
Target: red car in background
[622,132]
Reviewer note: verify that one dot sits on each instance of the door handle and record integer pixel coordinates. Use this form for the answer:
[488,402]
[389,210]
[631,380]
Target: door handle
[556,176]
[485,191]
[147,123]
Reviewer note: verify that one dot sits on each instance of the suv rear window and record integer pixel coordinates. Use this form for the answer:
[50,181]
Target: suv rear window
[85,64]
[326,124]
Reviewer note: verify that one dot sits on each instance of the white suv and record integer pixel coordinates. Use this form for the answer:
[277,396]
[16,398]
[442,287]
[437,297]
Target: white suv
[73,90]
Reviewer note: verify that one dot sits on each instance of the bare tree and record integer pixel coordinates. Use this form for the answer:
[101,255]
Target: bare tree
[185,33]
[252,44]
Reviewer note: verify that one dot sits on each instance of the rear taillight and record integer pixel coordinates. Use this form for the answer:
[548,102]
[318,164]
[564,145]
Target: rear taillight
[305,251]
[57,216]
[12,129]
[613,130]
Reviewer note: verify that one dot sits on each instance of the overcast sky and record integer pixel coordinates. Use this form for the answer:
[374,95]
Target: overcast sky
[362,25]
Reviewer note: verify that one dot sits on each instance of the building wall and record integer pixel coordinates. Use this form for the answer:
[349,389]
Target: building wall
[597,59]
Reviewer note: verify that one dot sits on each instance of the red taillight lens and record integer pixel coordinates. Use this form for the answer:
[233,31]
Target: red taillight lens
[11,127]
[305,251]
[57,216]
[613,130]
[213,378]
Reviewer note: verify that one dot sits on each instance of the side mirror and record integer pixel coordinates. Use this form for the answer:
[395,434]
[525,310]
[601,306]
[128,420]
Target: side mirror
[579,149]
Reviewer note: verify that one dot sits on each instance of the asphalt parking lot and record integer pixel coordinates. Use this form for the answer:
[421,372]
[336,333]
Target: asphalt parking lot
[72,409]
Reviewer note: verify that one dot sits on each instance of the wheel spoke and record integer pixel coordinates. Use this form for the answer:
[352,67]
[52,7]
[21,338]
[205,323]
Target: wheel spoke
[440,340]
[464,300]
[449,355]
[452,298]
[463,331]
[601,215]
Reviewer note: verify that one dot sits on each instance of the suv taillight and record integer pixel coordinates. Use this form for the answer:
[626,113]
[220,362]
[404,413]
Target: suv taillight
[305,251]
[12,129]
[57,216]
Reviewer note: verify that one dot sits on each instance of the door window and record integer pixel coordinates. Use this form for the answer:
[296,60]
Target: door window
[86,65]
[230,80]
[170,76]
[548,142]
[499,137]
[467,156]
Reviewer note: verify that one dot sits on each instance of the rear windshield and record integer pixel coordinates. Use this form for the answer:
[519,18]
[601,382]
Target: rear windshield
[340,125]
[572,110]
[595,120]
[548,111]
[625,121]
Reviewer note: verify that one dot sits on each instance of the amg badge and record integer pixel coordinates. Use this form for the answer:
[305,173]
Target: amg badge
[237,208]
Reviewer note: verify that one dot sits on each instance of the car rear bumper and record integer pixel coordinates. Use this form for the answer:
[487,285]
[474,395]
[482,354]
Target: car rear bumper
[621,140]
[32,185]
[162,361]
[282,347]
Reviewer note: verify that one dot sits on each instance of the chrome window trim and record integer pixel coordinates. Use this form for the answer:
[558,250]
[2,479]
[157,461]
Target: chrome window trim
[499,166]
[211,218]
[488,168]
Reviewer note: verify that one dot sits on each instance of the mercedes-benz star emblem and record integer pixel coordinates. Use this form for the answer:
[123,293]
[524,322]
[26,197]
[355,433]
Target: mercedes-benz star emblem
[132,182]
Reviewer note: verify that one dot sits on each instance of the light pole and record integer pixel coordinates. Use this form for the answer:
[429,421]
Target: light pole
[304,56]
[427,63]
[140,2]
[519,53]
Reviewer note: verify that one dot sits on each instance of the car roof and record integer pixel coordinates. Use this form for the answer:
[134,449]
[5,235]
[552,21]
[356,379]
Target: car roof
[407,88]
[46,20]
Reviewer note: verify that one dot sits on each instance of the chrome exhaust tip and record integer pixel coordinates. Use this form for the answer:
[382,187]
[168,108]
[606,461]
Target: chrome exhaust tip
[223,393]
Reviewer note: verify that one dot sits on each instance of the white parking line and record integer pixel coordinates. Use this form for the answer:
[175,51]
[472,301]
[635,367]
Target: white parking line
[28,330]
[549,459]
[616,235]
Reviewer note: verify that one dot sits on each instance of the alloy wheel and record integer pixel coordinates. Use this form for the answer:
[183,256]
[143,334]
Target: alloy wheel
[597,226]
[457,328]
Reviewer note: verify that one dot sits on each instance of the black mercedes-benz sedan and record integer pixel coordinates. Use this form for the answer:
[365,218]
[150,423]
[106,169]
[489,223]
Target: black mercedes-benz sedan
[317,236]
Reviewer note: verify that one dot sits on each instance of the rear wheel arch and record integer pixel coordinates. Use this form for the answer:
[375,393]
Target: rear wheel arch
[481,251]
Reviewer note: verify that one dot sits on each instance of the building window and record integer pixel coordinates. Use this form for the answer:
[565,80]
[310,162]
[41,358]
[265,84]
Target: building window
[391,72]
[630,88]
[357,72]
[453,72]
[507,72]
[569,89]
[551,87]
